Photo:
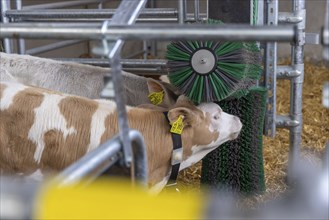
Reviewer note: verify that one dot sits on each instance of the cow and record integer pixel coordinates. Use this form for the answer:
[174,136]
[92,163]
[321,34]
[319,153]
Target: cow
[78,79]
[45,131]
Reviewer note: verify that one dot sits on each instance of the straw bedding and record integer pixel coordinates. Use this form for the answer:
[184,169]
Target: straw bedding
[315,136]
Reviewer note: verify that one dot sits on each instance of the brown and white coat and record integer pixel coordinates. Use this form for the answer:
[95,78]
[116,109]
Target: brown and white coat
[42,130]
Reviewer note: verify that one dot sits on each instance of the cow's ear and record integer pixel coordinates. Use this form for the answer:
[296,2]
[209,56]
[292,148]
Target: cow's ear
[165,94]
[188,116]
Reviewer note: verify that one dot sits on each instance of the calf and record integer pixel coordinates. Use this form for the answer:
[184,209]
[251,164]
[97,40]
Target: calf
[43,130]
[77,79]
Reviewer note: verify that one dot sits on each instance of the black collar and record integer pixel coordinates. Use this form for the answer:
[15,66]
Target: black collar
[175,160]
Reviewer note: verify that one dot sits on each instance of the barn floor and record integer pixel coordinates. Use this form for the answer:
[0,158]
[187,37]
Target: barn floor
[314,138]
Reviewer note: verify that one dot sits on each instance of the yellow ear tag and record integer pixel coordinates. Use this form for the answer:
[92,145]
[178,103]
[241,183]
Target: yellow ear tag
[156,97]
[177,126]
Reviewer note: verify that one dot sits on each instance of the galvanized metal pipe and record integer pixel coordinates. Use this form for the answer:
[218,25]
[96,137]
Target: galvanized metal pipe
[63,4]
[103,157]
[325,95]
[154,44]
[145,49]
[296,90]
[325,35]
[149,32]
[181,11]
[140,157]
[260,13]
[312,38]
[7,43]
[270,71]
[100,6]
[161,64]
[90,20]
[131,63]
[207,8]
[93,15]
[189,18]
[197,10]
[325,159]
[86,13]
[290,18]
[126,13]
[285,121]
[120,100]
[18,4]
[288,72]
[92,164]
[138,66]
[21,42]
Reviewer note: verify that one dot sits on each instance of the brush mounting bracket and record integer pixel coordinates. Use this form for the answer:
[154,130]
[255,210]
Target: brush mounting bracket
[203,61]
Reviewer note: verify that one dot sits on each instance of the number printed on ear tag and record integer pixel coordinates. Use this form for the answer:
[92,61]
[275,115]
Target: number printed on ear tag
[156,97]
[177,126]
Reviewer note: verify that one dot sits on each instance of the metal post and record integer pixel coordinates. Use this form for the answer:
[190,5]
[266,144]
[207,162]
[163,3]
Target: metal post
[145,49]
[196,10]
[181,11]
[100,5]
[296,90]
[126,13]
[207,11]
[154,44]
[252,7]
[270,71]
[21,42]
[7,43]
[325,35]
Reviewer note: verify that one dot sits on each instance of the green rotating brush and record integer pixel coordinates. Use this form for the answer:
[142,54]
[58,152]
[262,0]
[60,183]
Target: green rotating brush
[212,71]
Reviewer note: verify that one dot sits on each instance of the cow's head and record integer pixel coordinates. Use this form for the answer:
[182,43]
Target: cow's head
[205,128]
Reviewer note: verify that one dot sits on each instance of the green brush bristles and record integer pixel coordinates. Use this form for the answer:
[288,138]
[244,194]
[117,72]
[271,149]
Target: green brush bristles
[234,62]
[237,165]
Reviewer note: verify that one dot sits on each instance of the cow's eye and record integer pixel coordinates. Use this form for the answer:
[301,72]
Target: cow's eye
[216,117]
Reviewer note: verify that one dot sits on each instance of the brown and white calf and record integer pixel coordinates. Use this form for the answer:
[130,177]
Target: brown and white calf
[43,130]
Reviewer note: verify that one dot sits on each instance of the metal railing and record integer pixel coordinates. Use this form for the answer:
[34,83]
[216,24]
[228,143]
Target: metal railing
[21,47]
[137,66]
[120,31]
[149,32]
[103,157]
[56,12]
[148,14]
[126,13]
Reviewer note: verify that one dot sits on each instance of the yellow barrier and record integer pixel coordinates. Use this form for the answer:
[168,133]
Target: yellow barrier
[117,199]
